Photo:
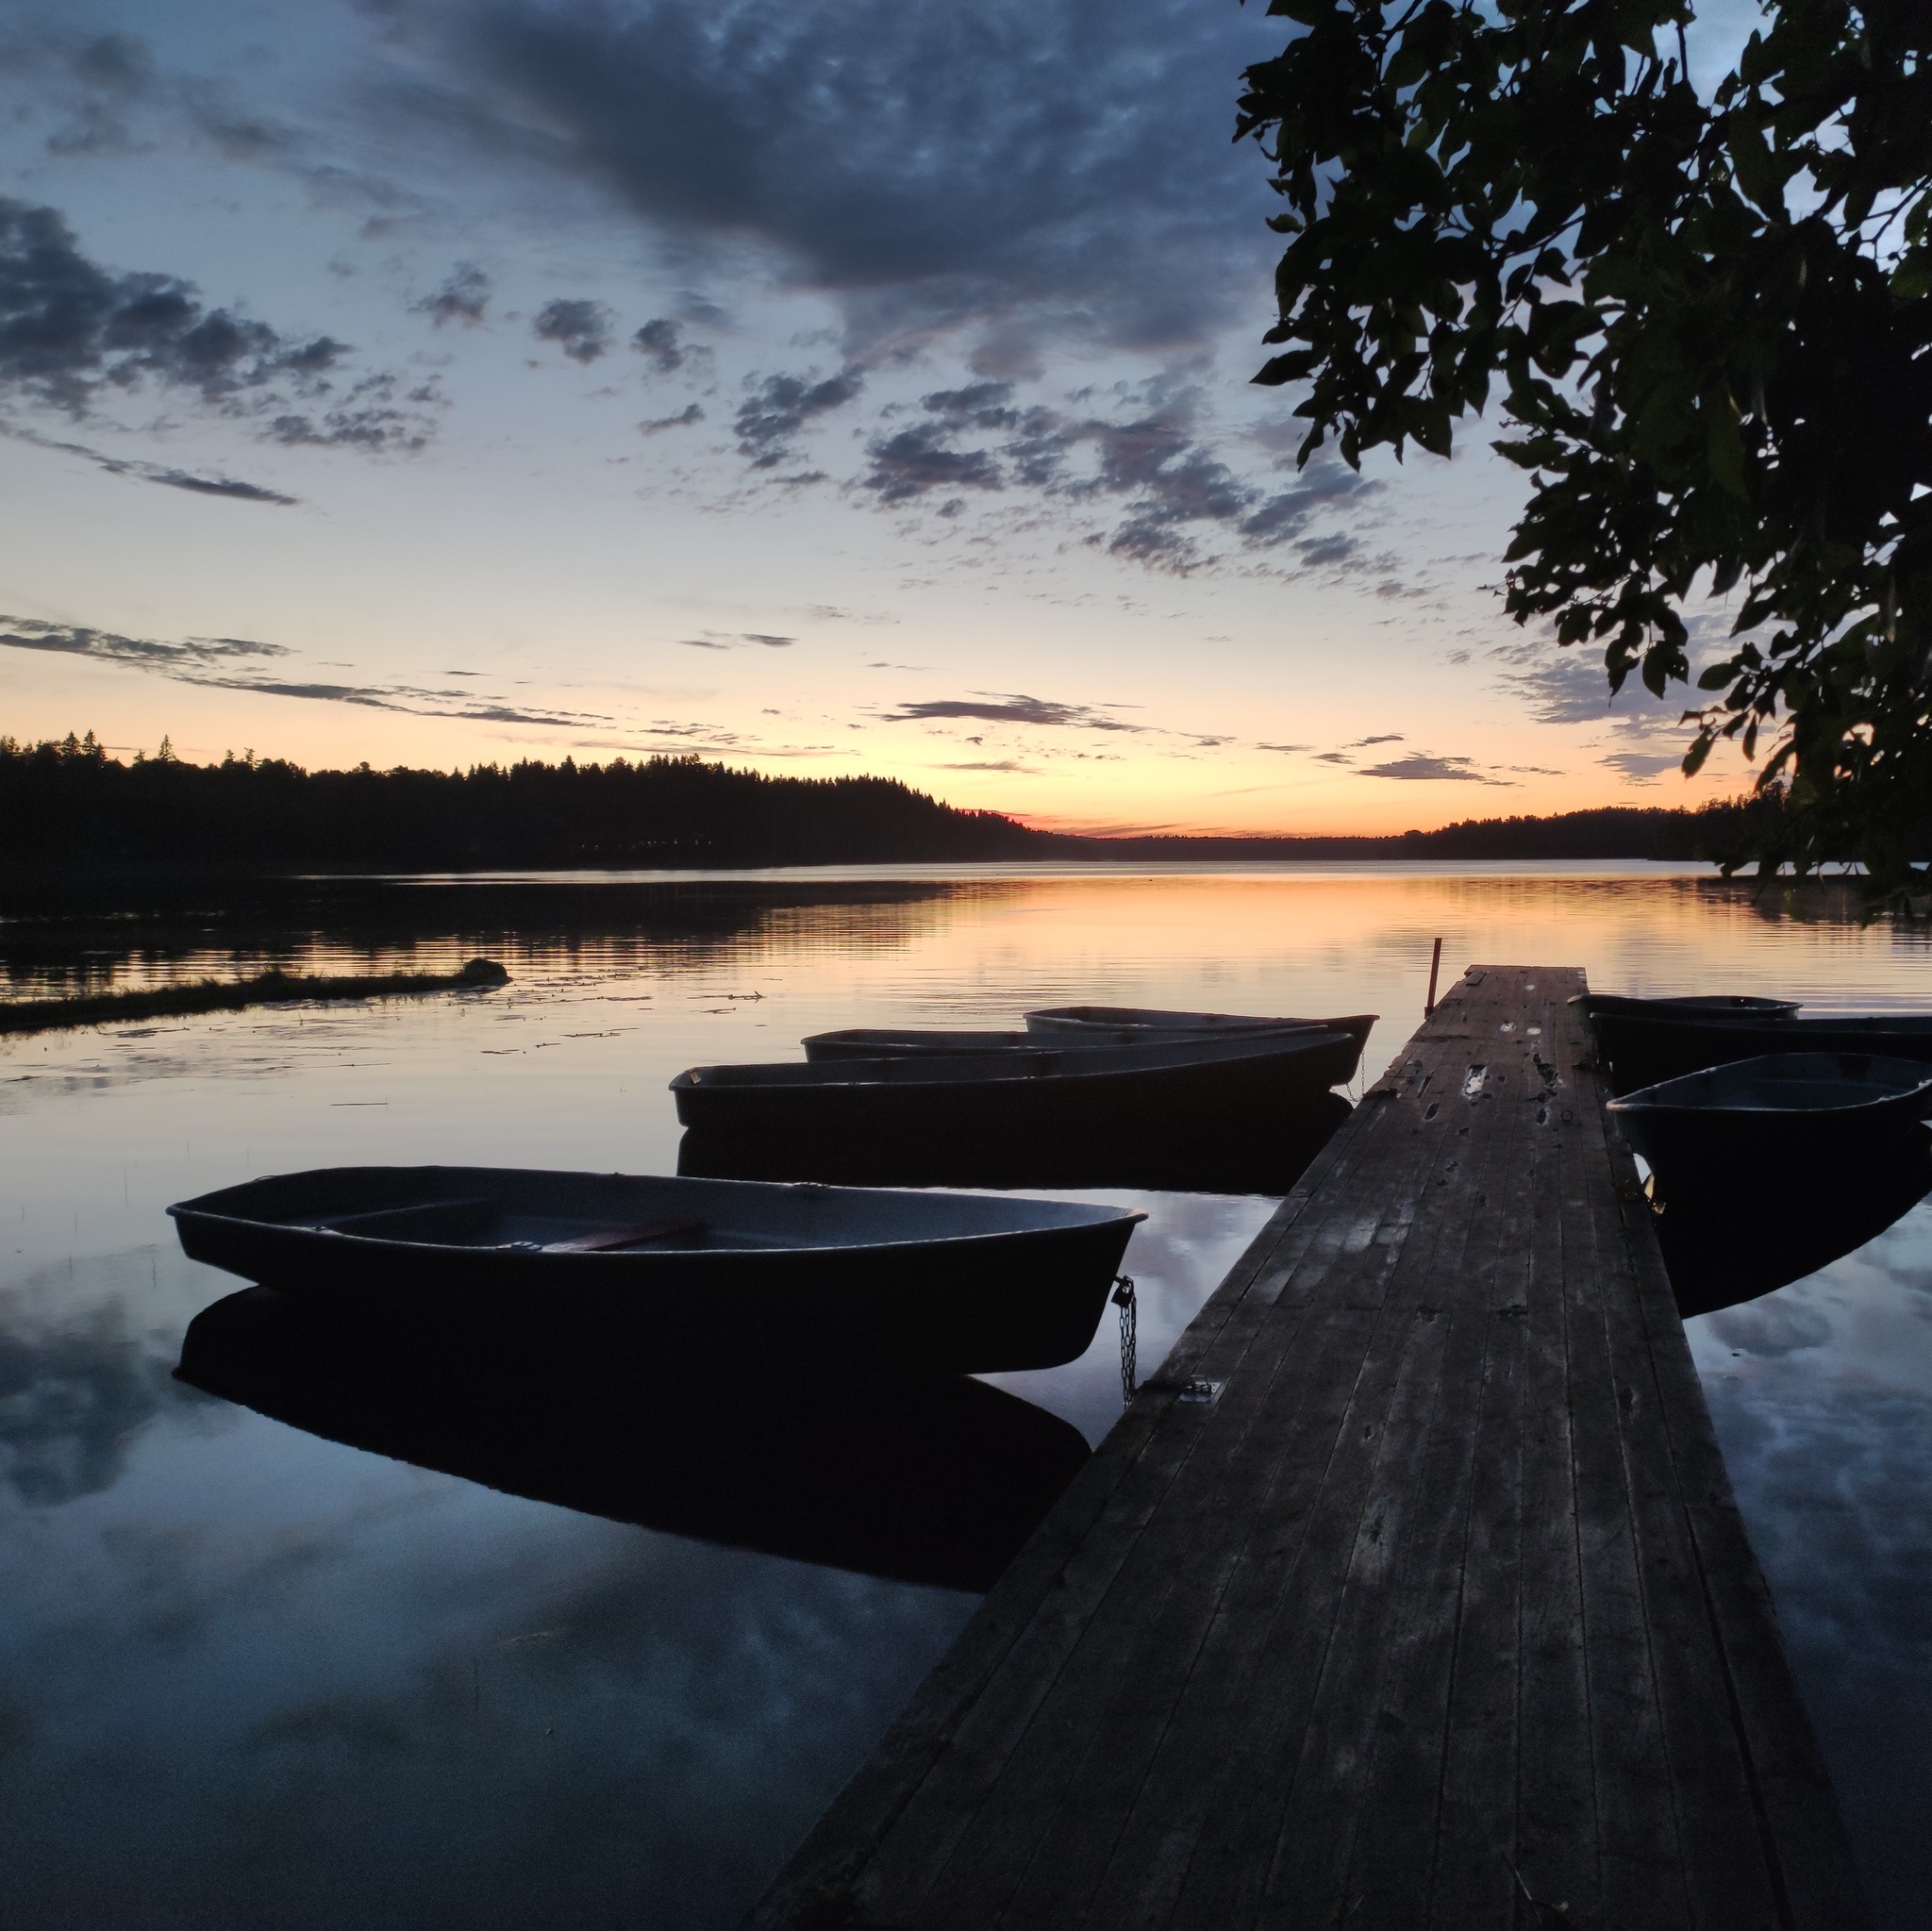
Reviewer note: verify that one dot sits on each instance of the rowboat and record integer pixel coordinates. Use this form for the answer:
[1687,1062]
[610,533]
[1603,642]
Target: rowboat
[1760,1124]
[916,1042]
[934,1042]
[932,1281]
[1070,1090]
[1067,1023]
[1642,1048]
[1693,1005]
[930,1480]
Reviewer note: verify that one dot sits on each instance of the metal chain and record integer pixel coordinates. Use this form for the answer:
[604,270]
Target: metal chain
[1124,1298]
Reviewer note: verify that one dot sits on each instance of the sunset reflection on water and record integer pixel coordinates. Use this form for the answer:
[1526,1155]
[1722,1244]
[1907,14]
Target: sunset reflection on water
[256,1677]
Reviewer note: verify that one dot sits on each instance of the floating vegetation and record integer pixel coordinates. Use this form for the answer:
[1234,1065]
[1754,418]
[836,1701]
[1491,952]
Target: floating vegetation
[272,987]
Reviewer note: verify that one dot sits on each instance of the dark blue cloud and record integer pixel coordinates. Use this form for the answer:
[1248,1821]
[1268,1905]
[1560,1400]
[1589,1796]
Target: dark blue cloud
[998,165]
[73,332]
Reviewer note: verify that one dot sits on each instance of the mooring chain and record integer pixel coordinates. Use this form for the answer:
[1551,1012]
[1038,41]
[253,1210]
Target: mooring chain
[1130,1321]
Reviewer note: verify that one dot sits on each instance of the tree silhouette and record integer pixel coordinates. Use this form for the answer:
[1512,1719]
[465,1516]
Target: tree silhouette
[1708,321]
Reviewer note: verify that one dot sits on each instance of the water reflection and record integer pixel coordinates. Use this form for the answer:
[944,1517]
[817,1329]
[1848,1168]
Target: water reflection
[1821,1393]
[251,1676]
[1171,1156]
[935,1482]
[1734,1244]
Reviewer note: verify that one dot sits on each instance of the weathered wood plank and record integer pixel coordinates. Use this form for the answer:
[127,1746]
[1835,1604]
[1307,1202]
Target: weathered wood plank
[1440,1614]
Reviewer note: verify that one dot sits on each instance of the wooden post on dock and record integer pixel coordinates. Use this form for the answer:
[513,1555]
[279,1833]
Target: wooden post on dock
[1441,1613]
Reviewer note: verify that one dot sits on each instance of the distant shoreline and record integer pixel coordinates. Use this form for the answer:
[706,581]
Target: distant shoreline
[70,810]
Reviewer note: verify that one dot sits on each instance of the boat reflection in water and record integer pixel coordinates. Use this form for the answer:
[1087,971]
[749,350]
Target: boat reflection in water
[1163,1156]
[929,1480]
[1723,1245]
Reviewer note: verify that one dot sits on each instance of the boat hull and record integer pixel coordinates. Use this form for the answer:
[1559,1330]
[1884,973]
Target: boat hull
[1641,1049]
[966,1302]
[1121,1022]
[1070,1091]
[1755,1129]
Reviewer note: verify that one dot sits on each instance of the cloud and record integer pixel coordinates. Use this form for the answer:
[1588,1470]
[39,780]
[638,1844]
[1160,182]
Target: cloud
[72,332]
[462,298]
[932,168]
[914,460]
[1569,686]
[1453,770]
[1387,738]
[580,328]
[149,653]
[1174,490]
[211,662]
[1006,764]
[1010,708]
[655,425]
[1283,747]
[779,407]
[230,486]
[659,342]
[1642,767]
[719,640]
[71,1400]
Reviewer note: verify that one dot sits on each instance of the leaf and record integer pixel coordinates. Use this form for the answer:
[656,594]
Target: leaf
[1724,447]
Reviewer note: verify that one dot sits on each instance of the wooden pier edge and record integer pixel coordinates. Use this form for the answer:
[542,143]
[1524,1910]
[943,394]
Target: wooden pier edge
[1441,1613]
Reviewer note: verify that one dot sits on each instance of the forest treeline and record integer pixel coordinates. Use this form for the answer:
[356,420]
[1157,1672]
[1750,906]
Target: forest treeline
[68,805]
[71,804]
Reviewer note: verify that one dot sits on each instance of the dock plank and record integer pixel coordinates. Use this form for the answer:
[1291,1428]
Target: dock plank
[1442,1613]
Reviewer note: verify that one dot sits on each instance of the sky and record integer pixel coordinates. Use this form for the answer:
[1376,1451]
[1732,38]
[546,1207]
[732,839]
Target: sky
[836,386]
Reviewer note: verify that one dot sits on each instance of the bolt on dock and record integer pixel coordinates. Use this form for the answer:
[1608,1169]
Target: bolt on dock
[1439,1611]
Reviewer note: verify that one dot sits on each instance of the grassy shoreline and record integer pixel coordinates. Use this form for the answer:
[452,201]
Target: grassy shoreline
[272,987]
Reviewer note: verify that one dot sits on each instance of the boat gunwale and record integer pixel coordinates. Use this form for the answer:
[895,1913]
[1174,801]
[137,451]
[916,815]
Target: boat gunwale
[1645,1100]
[1014,1067]
[1097,1214]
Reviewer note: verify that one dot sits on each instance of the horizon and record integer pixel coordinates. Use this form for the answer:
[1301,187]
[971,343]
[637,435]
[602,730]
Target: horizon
[421,383]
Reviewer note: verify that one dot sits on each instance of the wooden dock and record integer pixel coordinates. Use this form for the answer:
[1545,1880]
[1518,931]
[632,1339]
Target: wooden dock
[1438,1613]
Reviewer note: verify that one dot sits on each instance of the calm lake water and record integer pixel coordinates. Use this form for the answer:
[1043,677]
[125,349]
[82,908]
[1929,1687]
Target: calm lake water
[253,1678]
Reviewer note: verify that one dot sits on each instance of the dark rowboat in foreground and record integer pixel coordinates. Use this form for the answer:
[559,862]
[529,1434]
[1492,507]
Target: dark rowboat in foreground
[1641,1048]
[1069,1090]
[936,1480]
[1758,1124]
[932,1281]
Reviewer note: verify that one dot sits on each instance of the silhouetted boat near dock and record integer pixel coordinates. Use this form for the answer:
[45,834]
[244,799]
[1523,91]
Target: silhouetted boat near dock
[927,1281]
[1063,1025]
[1219,1081]
[1665,1041]
[1752,1126]
[1686,1004]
